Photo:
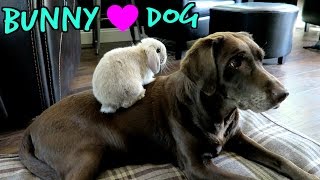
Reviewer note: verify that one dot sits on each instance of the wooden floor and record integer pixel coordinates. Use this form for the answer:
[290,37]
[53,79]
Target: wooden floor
[300,74]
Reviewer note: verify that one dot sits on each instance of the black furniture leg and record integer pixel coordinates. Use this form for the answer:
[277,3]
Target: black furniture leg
[3,111]
[94,36]
[316,46]
[133,2]
[140,30]
[133,34]
[94,33]
[180,46]
[281,60]
[306,27]
[178,53]
[97,28]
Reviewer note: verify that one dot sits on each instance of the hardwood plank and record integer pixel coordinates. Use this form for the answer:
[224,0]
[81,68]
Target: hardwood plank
[10,141]
[301,76]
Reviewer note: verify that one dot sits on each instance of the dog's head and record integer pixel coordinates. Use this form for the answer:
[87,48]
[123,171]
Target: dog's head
[231,64]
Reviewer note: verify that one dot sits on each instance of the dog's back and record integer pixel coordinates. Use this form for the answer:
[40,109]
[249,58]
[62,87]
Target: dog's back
[75,124]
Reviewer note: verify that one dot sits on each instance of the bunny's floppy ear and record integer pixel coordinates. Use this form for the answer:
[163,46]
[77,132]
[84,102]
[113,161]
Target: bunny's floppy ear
[199,65]
[243,33]
[152,59]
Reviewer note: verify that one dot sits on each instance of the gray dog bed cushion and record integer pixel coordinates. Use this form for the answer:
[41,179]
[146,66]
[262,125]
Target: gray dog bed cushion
[301,150]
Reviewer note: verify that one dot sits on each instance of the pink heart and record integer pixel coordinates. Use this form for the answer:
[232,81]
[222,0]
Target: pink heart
[122,18]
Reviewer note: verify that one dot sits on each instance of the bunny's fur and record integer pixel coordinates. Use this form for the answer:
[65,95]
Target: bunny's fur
[120,75]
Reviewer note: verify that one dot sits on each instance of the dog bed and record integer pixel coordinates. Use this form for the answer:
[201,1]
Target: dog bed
[294,146]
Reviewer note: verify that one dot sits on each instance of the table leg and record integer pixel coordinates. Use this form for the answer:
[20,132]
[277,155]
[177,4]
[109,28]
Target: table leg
[281,60]
[98,26]
[132,31]
[316,46]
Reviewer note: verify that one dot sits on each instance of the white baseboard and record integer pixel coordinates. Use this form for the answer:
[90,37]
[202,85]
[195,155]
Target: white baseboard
[108,35]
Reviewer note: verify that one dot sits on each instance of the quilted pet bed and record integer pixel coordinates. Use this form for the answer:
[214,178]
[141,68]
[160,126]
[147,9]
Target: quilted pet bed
[301,150]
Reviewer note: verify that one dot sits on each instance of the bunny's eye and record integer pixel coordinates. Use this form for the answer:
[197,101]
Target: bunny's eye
[158,50]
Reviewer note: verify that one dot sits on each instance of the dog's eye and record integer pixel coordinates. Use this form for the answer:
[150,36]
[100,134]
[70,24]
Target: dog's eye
[235,62]
[158,50]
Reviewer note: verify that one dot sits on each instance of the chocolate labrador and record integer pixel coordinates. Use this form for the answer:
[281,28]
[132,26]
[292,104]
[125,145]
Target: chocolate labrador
[185,118]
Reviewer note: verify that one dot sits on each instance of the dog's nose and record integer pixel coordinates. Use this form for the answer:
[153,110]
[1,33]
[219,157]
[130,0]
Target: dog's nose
[280,96]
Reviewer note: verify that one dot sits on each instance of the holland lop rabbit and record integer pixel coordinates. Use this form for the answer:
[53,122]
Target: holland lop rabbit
[121,73]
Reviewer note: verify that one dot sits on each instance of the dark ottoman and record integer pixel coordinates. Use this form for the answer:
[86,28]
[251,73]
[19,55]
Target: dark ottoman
[271,24]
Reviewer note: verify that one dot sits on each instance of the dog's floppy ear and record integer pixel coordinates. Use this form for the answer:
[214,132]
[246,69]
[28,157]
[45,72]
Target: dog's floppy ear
[153,60]
[199,64]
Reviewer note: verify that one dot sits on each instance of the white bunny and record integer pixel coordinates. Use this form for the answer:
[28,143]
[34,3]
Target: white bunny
[121,73]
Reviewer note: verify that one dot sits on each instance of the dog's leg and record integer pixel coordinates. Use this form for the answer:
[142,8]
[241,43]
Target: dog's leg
[190,158]
[85,165]
[251,150]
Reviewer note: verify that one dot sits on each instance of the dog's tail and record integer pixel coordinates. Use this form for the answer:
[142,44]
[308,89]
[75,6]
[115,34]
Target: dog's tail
[32,163]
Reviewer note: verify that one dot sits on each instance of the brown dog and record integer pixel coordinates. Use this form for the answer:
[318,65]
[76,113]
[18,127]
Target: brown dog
[186,118]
